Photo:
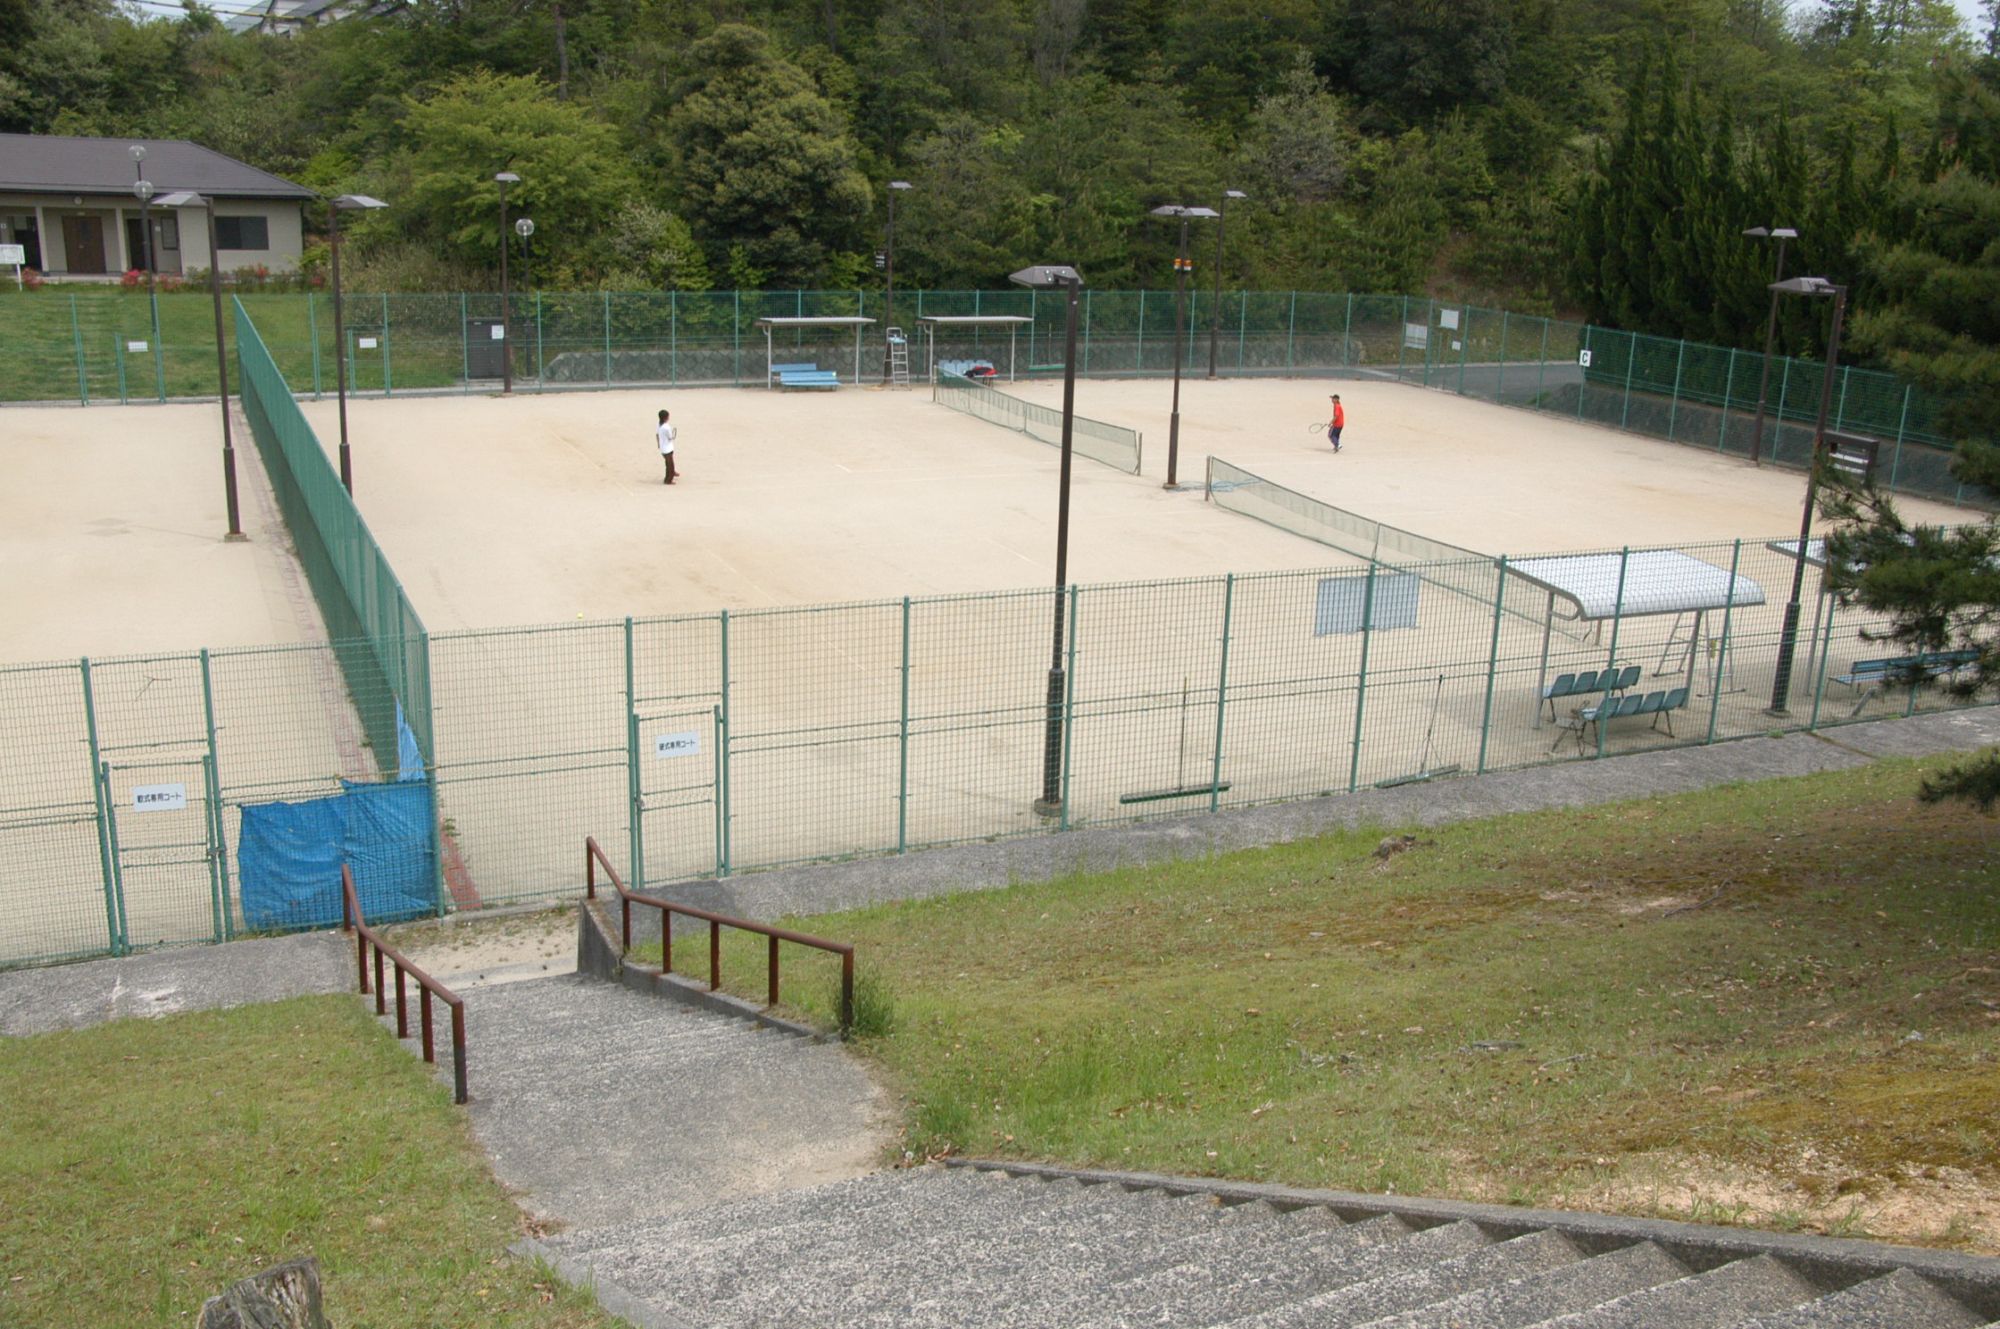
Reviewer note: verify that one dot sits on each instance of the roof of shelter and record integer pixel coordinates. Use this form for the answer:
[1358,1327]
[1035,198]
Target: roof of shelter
[812,321]
[59,164]
[1642,581]
[967,320]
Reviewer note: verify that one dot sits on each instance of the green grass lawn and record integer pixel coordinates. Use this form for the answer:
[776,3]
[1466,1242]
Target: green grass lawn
[1795,982]
[147,1164]
[45,334]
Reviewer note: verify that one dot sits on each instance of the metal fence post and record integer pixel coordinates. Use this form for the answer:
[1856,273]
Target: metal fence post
[1361,679]
[1403,337]
[1631,366]
[1728,395]
[1221,694]
[1902,423]
[312,332]
[674,337]
[1242,325]
[1500,374]
[464,342]
[1778,413]
[1839,414]
[101,794]
[1722,651]
[1292,324]
[1086,332]
[715,780]
[429,751]
[1542,368]
[388,374]
[218,885]
[82,375]
[118,353]
[1493,665]
[1674,402]
[160,352]
[722,628]
[1064,822]
[1346,331]
[606,320]
[903,742]
[1583,372]
[1617,621]
[541,381]
[736,340]
[635,811]
[1139,360]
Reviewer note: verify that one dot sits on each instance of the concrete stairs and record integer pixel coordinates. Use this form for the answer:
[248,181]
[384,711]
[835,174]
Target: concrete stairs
[601,1104]
[963,1248]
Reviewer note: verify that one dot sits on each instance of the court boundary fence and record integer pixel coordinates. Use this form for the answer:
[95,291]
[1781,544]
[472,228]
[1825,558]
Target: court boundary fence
[361,600]
[118,346]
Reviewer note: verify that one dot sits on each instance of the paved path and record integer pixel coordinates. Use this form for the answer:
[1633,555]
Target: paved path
[599,1104]
[823,887]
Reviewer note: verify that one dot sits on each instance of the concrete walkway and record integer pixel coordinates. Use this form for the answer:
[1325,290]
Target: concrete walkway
[824,887]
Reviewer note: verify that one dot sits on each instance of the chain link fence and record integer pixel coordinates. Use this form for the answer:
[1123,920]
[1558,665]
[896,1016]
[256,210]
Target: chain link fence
[731,742]
[127,347]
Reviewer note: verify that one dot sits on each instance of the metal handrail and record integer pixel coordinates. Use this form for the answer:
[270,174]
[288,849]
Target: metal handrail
[593,856]
[351,920]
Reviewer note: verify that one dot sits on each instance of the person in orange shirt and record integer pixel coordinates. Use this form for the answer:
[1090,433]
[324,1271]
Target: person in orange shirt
[1337,423]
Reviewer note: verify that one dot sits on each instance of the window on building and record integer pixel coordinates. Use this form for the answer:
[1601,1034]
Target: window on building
[242,233]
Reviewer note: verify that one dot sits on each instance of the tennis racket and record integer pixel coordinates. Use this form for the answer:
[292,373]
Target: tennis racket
[1317,427]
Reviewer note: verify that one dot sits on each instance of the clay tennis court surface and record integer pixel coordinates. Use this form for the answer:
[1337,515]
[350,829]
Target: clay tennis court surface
[539,509]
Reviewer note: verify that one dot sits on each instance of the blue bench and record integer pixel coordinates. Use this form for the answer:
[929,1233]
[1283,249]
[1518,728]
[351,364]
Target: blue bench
[1873,677]
[1588,683]
[1659,705]
[824,379]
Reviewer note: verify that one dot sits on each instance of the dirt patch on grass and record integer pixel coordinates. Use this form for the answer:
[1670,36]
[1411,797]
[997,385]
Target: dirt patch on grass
[475,950]
[1937,1206]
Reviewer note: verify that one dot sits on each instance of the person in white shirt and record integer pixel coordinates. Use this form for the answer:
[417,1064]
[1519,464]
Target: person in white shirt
[666,436]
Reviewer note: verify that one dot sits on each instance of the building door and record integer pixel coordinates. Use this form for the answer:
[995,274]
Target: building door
[83,243]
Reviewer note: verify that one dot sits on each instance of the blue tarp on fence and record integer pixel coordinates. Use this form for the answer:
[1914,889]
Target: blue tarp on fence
[290,854]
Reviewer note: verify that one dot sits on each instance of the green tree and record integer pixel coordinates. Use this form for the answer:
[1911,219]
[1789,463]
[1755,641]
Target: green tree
[763,161]
[1936,319]
[971,220]
[573,179]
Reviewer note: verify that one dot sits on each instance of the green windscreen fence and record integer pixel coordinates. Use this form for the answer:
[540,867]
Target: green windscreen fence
[1114,445]
[379,640]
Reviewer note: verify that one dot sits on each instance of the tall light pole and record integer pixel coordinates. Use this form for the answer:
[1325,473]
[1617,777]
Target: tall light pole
[1181,266]
[1067,278]
[504,179]
[142,188]
[889,293]
[1781,234]
[334,207]
[1788,641]
[1215,314]
[191,199]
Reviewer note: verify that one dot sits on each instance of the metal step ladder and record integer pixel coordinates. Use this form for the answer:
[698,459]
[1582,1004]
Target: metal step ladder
[899,358]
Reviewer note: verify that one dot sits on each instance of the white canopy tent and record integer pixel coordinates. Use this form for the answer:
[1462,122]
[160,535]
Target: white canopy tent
[1634,584]
[854,321]
[930,323]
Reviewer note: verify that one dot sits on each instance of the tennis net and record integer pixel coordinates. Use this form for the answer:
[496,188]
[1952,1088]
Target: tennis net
[1449,566]
[1114,445]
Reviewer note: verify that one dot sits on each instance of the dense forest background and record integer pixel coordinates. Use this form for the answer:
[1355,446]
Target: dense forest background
[1599,158]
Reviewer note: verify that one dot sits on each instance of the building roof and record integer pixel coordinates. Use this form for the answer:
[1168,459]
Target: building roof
[57,164]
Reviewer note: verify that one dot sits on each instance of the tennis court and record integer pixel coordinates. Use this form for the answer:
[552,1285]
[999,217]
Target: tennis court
[112,520]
